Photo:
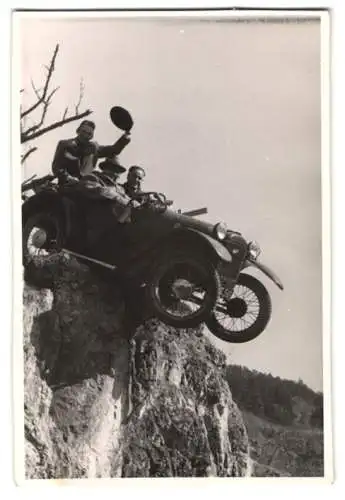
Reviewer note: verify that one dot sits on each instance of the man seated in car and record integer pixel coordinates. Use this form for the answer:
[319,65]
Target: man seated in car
[135,177]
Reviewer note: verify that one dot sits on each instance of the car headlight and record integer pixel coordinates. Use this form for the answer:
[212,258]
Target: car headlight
[254,249]
[221,230]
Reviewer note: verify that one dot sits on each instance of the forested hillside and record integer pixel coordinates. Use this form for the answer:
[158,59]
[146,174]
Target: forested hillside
[284,421]
[281,401]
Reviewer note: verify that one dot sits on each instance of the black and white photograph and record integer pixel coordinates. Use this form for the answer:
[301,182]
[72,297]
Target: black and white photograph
[171,201]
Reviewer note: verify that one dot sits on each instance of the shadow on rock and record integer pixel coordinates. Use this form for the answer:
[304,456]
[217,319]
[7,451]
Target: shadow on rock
[86,325]
[76,345]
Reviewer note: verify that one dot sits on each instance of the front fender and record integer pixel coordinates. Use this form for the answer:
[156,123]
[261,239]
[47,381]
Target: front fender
[207,241]
[267,271]
[41,201]
[46,201]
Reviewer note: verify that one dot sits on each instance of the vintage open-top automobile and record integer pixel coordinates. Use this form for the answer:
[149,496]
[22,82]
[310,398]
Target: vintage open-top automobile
[191,270]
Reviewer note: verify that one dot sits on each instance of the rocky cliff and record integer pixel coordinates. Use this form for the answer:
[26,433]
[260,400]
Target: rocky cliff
[110,396]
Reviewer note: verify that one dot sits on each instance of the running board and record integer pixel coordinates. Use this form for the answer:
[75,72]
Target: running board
[90,259]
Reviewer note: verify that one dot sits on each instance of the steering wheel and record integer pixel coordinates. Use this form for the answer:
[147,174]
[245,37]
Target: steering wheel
[151,197]
[154,196]
[153,200]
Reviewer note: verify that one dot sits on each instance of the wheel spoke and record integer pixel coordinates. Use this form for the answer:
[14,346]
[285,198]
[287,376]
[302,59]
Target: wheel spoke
[246,322]
[253,317]
[237,325]
[253,303]
[239,291]
[221,309]
[252,299]
[229,320]
[246,294]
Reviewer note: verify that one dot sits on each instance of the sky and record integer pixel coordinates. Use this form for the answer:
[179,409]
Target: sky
[227,115]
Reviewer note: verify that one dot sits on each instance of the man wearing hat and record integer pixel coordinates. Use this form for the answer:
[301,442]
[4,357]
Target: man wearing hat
[103,182]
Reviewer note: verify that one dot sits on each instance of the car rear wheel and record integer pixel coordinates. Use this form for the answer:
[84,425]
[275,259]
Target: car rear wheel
[182,290]
[42,237]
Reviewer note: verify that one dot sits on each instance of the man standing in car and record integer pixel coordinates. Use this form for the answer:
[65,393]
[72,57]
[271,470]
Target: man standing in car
[77,157]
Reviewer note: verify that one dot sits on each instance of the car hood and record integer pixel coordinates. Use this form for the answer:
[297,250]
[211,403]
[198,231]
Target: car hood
[186,221]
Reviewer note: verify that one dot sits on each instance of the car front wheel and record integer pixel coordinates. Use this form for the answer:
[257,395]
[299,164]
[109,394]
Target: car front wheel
[243,316]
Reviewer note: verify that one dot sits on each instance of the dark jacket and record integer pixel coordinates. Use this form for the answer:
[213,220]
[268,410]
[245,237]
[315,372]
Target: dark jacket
[77,159]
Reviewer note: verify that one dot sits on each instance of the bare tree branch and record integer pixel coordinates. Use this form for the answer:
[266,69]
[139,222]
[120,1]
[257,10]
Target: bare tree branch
[27,154]
[24,183]
[81,95]
[29,137]
[35,90]
[50,70]
[44,95]
[46,104]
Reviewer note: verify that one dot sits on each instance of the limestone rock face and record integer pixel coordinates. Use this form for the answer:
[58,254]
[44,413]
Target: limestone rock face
[107,397]
[183,421]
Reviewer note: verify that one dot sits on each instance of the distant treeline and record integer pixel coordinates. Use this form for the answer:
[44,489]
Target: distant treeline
[281,401]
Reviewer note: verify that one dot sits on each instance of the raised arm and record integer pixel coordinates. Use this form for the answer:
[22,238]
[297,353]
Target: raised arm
[115,149]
